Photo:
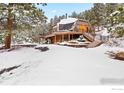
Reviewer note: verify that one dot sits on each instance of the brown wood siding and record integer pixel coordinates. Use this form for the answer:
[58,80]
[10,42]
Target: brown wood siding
[60,36]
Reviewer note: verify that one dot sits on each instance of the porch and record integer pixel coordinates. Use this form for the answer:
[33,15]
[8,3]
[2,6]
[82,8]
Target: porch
[62,36]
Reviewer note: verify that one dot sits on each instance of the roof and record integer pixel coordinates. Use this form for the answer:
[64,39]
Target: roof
[68,20]
[61,33]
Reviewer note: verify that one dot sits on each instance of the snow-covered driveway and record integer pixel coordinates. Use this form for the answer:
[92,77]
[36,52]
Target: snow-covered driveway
[61,65]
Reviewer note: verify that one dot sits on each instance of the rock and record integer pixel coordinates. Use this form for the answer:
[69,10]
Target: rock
[119,55]
[42,48]
[116,55]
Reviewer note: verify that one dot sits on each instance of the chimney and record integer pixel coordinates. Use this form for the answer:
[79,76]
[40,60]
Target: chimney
[66,15]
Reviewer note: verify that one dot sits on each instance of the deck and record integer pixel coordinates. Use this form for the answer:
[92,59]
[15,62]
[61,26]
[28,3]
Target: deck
[63,33]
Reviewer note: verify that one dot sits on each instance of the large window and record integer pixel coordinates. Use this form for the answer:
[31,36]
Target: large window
[65,26]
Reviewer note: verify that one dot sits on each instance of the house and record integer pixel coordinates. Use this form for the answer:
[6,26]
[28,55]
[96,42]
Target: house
[68,29]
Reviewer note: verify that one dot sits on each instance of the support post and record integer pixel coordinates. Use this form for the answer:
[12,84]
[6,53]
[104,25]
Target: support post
[72,36]
[55,39]
[68,37]
[62,38]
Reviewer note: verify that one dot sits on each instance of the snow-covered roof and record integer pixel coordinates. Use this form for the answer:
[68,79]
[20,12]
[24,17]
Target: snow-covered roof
[68,20]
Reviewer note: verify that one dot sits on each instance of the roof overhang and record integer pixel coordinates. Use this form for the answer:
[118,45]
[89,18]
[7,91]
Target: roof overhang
[62,33]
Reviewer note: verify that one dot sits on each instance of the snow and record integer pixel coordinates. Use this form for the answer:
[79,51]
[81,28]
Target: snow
[119,25]
[63,43]
[116,12]
[60,65]
[105,32]
[9,59]
[0,45]
[68,20]
[119,42]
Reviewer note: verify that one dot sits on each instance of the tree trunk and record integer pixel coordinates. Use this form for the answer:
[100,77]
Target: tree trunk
[98,27]
[9,26]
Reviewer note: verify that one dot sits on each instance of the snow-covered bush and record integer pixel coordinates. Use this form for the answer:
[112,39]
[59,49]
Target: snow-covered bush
[118,32]
[21,37]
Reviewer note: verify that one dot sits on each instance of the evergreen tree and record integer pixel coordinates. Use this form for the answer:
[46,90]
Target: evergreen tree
[20,15]
[74,15]
[109,9]
[98,12]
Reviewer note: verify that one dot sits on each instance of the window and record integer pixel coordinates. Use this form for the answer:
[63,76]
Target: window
[65,26]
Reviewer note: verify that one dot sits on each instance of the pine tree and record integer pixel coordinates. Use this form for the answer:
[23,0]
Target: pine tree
[74,15]
[98,12]
[20,15]
[109,9]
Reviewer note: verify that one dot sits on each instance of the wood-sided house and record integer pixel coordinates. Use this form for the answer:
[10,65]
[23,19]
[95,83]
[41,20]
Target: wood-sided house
[68,29]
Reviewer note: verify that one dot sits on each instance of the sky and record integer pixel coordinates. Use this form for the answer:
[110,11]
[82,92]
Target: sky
[59,9]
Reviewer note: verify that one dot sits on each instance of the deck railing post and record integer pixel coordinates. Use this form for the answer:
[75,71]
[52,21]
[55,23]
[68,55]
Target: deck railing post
[68,37]
[62,38]
[72,36]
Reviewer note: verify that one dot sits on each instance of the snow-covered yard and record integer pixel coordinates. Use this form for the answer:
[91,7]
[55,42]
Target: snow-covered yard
[61,65]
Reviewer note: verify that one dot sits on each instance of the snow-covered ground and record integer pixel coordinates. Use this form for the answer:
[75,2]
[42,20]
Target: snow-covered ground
[61,65]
